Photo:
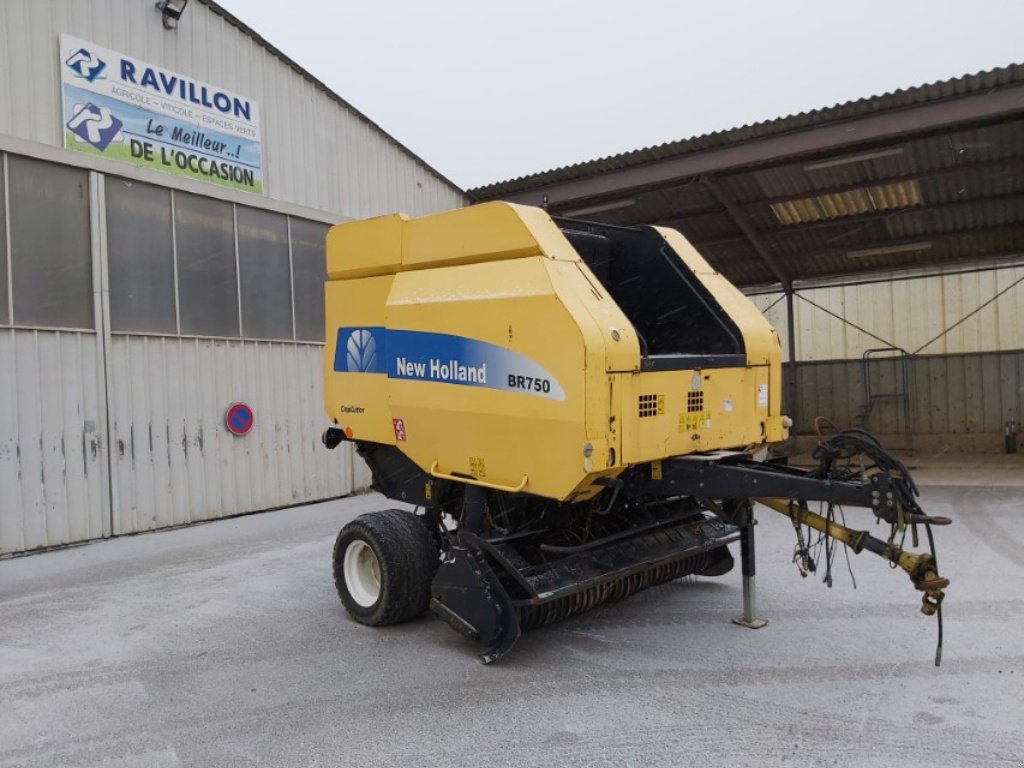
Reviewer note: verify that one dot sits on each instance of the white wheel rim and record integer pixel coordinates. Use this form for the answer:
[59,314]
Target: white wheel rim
[362,573]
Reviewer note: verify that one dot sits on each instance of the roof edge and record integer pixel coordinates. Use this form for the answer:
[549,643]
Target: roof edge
[891,101]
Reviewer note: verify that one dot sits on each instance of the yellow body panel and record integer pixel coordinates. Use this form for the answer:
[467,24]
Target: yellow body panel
[480,344]
[679,412]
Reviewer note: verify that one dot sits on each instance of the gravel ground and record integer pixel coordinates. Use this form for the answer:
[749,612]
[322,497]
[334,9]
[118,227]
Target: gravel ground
[225,645]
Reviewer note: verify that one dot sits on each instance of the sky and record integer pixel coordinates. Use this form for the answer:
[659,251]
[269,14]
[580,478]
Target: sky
[485,91]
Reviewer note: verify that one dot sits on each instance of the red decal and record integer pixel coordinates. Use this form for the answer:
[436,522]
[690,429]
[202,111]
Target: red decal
[399,426]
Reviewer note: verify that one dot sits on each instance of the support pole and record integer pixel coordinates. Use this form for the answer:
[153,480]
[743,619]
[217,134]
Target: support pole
[792,406]
[748,619]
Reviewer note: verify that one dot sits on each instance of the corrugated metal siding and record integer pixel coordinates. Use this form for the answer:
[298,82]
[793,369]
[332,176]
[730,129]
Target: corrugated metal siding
[923,315]
[912,313]
[773,306]
[949,394]
[52,463]
[169,460]
[174,460]
[317,153]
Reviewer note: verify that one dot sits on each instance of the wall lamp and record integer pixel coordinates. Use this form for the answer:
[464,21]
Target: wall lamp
[172,10]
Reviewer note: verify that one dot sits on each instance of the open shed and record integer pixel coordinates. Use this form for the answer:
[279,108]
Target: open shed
[883,237]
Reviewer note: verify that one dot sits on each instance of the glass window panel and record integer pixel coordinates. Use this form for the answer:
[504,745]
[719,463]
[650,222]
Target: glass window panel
[309,271]
[4,317]
[141,257]
[265,277]
[51,262]
[207,288]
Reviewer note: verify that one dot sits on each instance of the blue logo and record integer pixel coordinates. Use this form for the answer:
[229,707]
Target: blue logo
[361,353]
[85,65]
[96,125]
[441,358]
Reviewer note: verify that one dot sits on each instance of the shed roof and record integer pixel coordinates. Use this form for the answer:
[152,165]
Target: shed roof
[920,177]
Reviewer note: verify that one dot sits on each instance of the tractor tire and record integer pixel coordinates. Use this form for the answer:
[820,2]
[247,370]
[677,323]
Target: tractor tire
[383,565]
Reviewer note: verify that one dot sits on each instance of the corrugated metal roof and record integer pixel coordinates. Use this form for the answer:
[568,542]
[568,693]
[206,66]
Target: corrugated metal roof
[957,186]
[899,99]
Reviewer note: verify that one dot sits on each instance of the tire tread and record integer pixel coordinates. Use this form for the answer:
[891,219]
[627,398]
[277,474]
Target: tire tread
[405,552]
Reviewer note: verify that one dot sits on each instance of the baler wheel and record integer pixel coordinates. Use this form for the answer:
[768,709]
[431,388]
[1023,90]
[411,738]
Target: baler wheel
[383,565]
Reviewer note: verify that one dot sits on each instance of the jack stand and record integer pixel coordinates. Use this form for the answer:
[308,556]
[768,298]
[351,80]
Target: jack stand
[748,619]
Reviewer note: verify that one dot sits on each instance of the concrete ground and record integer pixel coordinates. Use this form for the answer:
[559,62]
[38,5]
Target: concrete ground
[225,645]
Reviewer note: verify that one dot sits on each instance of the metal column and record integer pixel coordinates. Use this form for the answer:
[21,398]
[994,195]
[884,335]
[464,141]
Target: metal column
[748,619]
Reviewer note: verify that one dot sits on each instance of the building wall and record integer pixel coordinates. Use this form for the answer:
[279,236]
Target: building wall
[957,312]
[959,402]
[136,306]
[174,463]
[962,330]
[317,154]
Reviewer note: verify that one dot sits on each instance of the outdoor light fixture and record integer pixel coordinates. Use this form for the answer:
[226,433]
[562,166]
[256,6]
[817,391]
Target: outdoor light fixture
[885,250]
[612,206]
[862,157]
[172,10]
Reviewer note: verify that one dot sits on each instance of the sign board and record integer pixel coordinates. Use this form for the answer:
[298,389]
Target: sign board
[239,419]
[123,108]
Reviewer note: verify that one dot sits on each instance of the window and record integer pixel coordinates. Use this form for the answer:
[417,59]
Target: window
[207,286]
[265,274]
[141,257]
[4,316]
[51,260]
[309,271]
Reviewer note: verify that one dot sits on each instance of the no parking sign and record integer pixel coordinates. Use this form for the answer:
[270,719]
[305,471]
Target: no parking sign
[239,419]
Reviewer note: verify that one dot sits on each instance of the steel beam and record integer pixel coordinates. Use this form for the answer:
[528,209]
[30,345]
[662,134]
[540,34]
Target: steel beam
[759,247]
[937,239]
[1012,165]
[846,222]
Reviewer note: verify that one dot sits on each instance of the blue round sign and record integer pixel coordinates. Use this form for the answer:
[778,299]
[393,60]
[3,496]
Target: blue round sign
[239,419]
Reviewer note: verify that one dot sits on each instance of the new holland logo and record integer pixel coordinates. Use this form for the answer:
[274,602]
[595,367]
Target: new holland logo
[362,352]
[85,65]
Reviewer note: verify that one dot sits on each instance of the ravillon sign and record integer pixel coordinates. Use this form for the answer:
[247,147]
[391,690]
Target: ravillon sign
[128,110]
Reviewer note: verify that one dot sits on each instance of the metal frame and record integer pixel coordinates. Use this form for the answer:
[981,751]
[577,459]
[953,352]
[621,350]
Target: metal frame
[845,222]
[939,239]
[238,270]
[902,385]
[104,373]
[1000,164]
[155,335]
[748,566]
[1010,262]
[7,239]
[291,274]
[701,477]
[748,233]
[57,154]
[174,259]
[784,278]
[971,314]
